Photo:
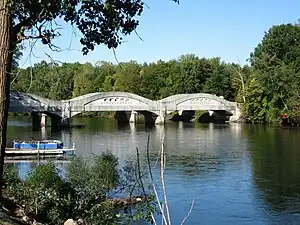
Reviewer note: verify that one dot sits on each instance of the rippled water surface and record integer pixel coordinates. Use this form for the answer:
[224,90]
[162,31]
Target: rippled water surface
[236,174]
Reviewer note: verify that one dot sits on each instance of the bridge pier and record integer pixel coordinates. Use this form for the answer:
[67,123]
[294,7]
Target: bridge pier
[39,119]
[160,119]
[44,133]
[148,117]
[236,117]
[162,114]
[132,118]
[43,120]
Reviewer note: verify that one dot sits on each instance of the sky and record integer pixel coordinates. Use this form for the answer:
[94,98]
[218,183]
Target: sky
[228,29]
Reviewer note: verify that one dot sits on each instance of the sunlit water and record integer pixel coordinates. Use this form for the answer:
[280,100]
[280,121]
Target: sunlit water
[236,174]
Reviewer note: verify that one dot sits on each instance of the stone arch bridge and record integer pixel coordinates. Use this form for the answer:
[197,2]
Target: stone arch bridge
[62,111]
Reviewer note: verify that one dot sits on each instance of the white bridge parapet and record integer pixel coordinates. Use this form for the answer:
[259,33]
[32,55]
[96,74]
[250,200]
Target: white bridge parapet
[120,101]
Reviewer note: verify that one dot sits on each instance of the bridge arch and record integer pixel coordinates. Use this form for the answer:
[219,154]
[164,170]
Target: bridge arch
[110,101]
[199,101]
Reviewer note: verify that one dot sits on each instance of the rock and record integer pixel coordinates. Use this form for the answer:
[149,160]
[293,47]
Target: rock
[70,222]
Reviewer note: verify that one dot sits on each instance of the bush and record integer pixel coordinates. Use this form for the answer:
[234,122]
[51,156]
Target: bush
[44,194]
[10,175]
[45,175]
[82,194]
[102,175]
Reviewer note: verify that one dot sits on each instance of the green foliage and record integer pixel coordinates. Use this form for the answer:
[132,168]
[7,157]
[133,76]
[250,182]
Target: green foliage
[83,194]
[105,172]
[44,194]
[219,82]
[102,175]
[100,22]
[279,45]
[78,172]
[102,214]
[188,74]
[17,54]
[45,176]
[274,84]
[10,176]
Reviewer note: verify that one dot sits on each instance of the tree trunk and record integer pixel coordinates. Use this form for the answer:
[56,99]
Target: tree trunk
[5,69]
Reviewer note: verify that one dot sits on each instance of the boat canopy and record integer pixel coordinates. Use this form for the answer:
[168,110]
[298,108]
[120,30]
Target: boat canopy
[42,144]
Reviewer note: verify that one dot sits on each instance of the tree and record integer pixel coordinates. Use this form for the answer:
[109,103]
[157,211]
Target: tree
[219,82]
[6,58]
[194,72]
[128,77]
[84,80]
[239,78]
[100,22]
[276,63]
[279,45]
[157,79]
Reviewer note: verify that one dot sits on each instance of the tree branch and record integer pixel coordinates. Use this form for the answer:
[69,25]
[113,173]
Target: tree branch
[189,212]
[153,184]
[162,170]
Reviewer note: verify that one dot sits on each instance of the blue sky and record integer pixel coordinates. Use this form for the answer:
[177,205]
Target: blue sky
[215,28]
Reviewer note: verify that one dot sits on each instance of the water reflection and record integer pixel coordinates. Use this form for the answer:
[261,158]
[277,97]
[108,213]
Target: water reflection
[25,166]
[276,166]
[237,174]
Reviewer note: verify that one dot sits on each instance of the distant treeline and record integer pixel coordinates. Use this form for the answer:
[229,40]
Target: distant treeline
[268,87]
[188,74]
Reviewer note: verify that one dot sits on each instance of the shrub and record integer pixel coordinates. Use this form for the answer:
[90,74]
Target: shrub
[45,175]
[82,194]
[101,175]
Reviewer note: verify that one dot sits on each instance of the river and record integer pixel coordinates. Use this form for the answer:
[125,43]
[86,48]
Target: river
[236,173]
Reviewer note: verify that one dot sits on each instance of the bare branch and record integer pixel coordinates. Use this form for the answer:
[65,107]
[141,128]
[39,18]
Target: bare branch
[162,171]
[139,171]
[239,72]
[137,34]
[141,181]
[189,212]
[119,64]
[31,67]
[153,184]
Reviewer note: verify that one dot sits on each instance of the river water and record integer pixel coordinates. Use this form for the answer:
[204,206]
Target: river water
[236,173]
